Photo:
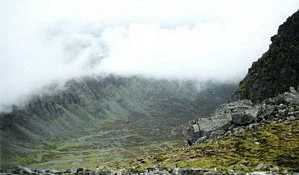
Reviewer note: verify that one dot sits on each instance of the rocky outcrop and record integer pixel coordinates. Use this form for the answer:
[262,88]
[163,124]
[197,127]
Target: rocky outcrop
[232,114]
[242,114]
[278,68]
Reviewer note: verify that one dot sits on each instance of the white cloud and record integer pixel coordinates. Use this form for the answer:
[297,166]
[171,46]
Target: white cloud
[49,40]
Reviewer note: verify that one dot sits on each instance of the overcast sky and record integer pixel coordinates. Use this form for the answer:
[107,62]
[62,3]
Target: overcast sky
[48,40]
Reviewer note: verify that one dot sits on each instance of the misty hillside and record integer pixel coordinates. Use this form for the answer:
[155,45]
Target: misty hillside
[257,134]
[149,87]
[113,111]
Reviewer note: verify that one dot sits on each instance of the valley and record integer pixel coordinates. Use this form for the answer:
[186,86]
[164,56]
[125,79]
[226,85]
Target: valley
[151,96]
[104,120]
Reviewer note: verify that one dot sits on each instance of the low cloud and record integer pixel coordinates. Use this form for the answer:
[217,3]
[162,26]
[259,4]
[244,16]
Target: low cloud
[55,40]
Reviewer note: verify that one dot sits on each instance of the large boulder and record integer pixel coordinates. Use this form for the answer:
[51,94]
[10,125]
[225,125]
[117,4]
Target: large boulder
[196,171]
[241,119]
[193,132]
[241,112]
[245,116]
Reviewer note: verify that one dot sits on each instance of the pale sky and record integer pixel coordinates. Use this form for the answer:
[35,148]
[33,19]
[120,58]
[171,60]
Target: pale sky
[49,40]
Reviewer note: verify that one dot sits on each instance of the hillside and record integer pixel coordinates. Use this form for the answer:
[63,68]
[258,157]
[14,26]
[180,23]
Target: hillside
[259,133]
[266,145]
[268,142]
[136,125]
[93,117]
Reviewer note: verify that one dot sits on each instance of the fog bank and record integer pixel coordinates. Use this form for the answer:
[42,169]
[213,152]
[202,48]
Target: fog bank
[55,40]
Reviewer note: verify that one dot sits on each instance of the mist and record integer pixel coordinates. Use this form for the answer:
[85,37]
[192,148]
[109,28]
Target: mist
[55,40]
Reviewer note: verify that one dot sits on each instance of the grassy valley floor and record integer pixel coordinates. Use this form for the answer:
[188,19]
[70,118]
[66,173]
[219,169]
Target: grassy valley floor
[271,146]
[112,145]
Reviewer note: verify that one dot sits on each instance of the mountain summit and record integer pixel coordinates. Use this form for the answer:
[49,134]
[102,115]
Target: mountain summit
[278,68]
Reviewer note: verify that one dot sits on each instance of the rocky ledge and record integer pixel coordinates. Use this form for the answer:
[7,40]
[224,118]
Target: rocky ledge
[237,116]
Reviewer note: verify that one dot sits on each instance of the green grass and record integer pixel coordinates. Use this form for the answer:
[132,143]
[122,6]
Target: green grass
[111,145]
[71,156]
[275,144]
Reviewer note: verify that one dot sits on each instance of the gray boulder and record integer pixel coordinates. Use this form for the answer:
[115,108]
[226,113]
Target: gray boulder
[241,119]
[198,171]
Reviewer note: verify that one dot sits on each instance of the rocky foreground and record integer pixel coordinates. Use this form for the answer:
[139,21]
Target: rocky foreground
[239,115]
[154,171]
[239,138]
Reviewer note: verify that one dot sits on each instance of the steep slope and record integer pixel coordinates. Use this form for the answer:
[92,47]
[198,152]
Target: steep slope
[278,68]
[104,112]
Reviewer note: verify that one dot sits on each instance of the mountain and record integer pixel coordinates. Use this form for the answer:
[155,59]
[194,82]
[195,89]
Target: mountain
[134,124]
[278,68]
[91,115]
[258,134]
[261,139]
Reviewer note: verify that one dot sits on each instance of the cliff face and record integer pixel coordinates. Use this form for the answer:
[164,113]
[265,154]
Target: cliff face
[278,68]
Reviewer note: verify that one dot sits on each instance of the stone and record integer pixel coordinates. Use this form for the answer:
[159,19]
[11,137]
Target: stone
[281,111]
[291,118]
[201,139]
[253,126]
[25,170]
[296,113]
[293,90]
[195,128]
[193,171]
[274,169]
[260,166]
[260,173]
[241,119]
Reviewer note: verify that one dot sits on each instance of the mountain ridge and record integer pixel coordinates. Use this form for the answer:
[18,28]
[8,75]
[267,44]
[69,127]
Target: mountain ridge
[257,134]
[278,68]
[132,110]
